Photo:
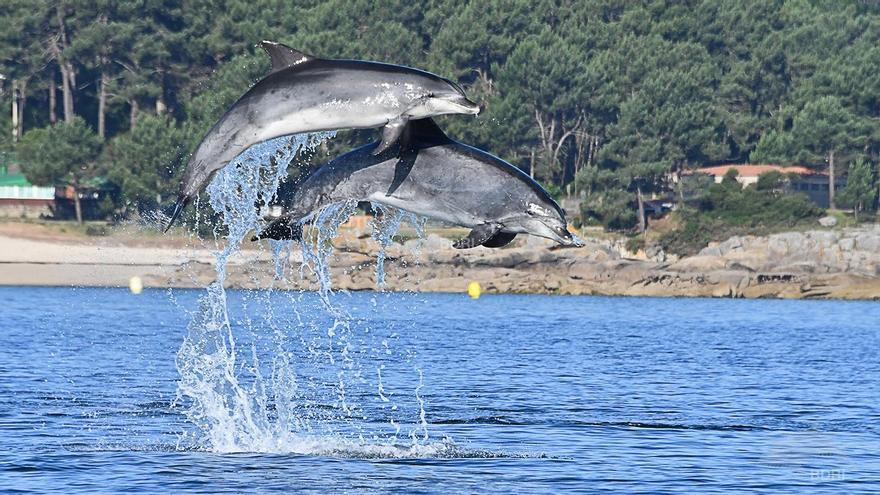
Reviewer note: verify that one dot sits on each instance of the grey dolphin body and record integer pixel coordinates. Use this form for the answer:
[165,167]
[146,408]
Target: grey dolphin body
[435,177]
[308,94]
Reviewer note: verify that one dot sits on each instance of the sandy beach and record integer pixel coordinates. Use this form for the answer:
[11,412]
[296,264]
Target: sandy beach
[32,254]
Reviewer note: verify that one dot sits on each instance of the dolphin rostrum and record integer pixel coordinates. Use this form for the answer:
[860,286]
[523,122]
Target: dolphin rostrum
[431,175]
[303,93]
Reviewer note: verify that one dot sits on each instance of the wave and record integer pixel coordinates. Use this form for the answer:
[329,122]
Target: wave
[327,446]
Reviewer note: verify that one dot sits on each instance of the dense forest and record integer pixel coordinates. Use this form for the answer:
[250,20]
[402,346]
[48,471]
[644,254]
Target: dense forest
[605,99]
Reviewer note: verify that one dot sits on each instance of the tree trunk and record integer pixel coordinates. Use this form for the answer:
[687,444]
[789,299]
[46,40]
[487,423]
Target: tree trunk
[14,112]
[680,186]
[532,165]
[547,125]
[68,76]
[583,141]
[132,116]
[161,107]
[831,180]
[102,103]
[594,148]
[77,206]
[53,117]
[22,97]
[876,201]
[66,94]
[643,225]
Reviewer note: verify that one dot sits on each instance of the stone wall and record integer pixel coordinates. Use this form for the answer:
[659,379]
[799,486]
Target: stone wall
[24,208]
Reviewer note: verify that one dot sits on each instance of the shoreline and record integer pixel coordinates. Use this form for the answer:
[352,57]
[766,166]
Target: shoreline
[462,292]
[841,264]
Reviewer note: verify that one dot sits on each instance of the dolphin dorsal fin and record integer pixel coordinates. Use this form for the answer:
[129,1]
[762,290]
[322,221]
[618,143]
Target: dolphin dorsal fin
[283,56]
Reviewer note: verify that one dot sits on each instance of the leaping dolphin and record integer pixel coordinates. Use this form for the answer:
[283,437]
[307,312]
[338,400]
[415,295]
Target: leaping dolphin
[431,175]
[304,93]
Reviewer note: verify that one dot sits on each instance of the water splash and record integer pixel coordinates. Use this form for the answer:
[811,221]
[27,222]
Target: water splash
[317,246]
[272,374]
[229,415]
[386,224]
[281,251]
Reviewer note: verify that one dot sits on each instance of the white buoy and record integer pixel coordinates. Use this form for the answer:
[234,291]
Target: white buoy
[135,285]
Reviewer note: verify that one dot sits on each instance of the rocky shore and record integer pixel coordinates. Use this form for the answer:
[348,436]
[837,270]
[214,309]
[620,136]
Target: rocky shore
[843,263]
[819,264]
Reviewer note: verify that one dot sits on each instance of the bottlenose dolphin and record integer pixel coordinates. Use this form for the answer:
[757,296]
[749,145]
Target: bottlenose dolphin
[303,93]
[431,175]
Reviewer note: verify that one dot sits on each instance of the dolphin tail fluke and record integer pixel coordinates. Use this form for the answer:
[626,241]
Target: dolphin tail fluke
[182,201]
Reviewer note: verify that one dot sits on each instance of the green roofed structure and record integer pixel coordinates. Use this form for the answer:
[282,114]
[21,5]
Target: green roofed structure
[18,197]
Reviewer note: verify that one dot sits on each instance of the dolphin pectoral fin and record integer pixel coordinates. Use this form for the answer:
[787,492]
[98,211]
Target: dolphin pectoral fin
[283,56]
[182,201]
[500,239]
[402,169]
[479,235]
[392,131]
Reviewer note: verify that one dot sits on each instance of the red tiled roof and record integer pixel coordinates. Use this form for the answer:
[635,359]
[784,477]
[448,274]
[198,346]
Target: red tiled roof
[756,170]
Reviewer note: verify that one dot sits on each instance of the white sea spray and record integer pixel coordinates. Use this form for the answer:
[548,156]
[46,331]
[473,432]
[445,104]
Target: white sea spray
[284,371]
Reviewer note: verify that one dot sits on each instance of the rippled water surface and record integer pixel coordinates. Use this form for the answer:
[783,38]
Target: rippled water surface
[517,393]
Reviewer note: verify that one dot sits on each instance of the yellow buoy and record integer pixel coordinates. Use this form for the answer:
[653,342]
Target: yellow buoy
[135,285]
[474,290]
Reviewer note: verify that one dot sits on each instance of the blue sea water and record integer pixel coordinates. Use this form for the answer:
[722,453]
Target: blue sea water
[437,393]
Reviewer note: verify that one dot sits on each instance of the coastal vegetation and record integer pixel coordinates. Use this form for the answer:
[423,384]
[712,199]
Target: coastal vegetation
[606,100]
[728,209]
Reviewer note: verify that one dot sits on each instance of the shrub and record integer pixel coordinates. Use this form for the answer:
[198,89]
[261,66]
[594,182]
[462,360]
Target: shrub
[730,210]
[635,244]
[613,209]
[772,180]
